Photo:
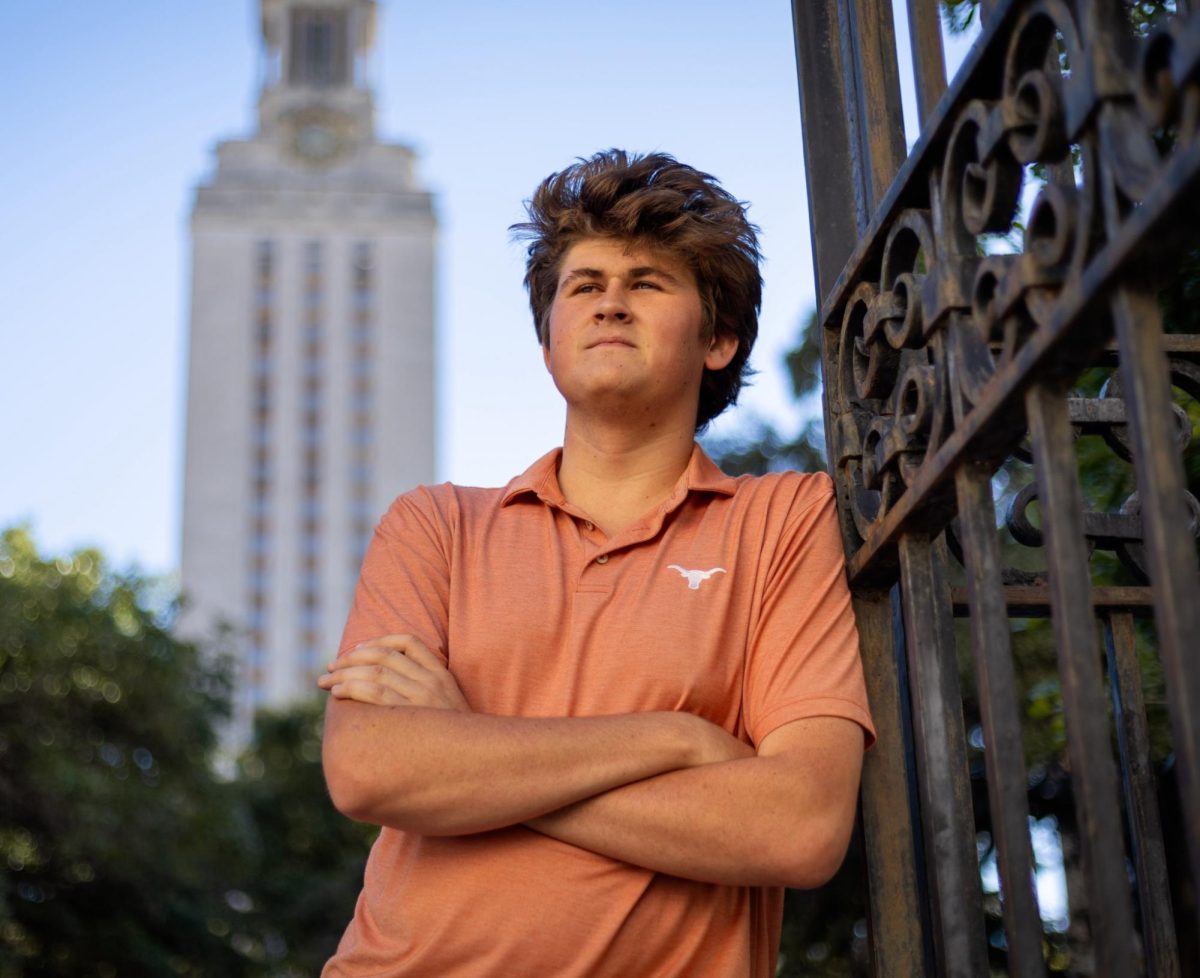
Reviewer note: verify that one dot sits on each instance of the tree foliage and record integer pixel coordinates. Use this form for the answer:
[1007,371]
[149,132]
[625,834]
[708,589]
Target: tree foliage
[124,853]
[960,15]
[303,860]
[113,832]
[758,446]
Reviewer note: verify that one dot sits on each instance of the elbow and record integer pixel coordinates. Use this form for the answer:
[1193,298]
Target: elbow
[358,786]
[356,790]
[815,871]
[346,754]
[401,787]
[364,783]
[813,858]
[349,800]
[351,789]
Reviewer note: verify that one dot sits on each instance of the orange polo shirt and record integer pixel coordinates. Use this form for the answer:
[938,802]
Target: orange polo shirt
[729,601]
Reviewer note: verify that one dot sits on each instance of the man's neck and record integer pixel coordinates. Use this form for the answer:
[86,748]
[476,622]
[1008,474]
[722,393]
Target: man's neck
[617,476]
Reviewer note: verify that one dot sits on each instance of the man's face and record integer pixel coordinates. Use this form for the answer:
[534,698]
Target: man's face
[626,330]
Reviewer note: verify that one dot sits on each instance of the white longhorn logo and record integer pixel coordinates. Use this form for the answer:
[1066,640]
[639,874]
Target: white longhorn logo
[694,577]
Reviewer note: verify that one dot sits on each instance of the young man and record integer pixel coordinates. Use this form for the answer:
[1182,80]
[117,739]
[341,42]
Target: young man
[606,713]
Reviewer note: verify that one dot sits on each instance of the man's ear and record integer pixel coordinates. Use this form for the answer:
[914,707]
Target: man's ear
[546,356]
[721,351]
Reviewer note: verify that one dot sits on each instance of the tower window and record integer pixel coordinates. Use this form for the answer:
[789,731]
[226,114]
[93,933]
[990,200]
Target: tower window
[318,47]
[263,253]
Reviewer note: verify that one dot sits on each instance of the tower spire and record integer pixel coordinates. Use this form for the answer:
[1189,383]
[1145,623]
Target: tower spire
[316,94]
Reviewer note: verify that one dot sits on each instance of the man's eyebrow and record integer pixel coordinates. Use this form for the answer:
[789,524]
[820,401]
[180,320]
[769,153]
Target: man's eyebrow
[642,271]
[575,273]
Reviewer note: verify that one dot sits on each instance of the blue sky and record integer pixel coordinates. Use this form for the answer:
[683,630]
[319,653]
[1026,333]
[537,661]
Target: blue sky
[113,110]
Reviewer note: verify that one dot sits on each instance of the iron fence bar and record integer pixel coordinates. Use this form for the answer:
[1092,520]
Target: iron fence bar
[864,195]
[869,49]
[952,865]
[920,862]
[1174,344]
[1033,600]
[851,114]
[996,686]
[832,167]
[1141,806]
[1146,388]
[1093,777]
[928,57]
[894,912]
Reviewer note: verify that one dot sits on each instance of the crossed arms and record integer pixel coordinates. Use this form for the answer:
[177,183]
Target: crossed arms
[667,791]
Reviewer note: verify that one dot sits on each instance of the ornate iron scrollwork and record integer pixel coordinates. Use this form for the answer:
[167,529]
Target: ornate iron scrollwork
[937,335]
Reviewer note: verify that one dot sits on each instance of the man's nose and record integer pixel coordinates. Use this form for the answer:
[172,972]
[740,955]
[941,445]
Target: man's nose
[613,304]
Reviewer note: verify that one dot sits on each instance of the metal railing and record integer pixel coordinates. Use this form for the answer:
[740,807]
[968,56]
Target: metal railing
[953,357]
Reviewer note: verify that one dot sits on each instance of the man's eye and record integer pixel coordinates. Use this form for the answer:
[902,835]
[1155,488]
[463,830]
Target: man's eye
[645,285]
[586,287]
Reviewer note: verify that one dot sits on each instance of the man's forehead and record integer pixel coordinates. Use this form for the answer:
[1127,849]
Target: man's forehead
[615,255]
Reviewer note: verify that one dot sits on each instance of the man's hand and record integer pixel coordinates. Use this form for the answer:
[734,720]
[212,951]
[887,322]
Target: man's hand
[394,670]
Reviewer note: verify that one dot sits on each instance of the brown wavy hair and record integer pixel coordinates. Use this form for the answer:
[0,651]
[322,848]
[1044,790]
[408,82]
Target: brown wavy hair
[657,202]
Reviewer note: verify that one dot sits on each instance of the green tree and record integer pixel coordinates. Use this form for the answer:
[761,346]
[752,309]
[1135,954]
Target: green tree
[123,851]
[758,446]
[304,859]
[115,837]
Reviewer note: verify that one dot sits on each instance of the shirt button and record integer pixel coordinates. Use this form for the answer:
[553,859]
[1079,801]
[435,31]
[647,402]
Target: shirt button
[602,559]
[589,525]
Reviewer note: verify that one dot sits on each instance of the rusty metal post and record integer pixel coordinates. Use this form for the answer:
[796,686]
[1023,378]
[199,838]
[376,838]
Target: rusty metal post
[868,38]
[897,946]
[1146,389]
[1001,720]
[1093,774]
[850,107]
[945,783]
[928,57]
[832,163]
[1141,805]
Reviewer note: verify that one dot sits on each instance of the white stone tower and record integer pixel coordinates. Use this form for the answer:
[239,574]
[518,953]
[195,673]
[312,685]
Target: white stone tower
[311,359]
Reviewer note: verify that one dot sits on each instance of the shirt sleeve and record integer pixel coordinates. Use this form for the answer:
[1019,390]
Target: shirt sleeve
[404,585]
[804,656]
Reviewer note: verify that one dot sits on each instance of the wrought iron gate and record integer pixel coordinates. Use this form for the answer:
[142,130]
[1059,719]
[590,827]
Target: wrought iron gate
[959,353]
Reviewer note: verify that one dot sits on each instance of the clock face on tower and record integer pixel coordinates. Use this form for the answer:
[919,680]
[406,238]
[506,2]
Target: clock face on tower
[316,137]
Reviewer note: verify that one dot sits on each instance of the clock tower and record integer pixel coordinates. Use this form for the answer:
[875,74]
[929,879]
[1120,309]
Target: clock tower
[311,353]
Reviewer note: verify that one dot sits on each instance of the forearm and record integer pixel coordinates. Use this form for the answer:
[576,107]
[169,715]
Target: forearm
[441,772]
[762,821]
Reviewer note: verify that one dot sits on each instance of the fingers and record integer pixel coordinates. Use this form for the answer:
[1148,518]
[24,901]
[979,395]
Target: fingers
[367,683]
[408,645]
[418,652]
[363,690]
[393,670]
[387,659]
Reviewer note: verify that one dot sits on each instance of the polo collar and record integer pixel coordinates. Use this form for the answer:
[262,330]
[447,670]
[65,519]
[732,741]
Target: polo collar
[541,480]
